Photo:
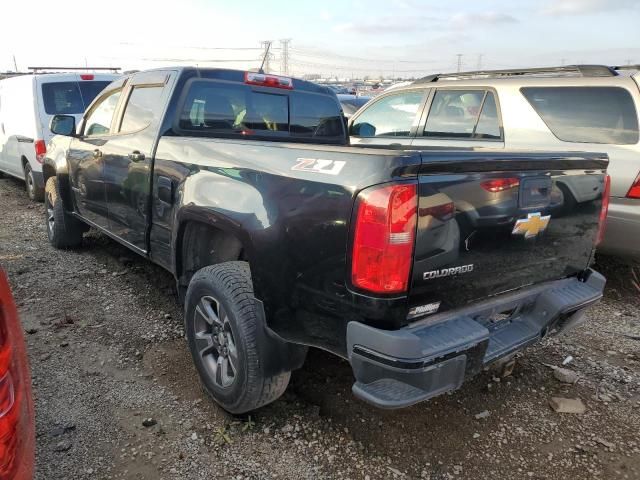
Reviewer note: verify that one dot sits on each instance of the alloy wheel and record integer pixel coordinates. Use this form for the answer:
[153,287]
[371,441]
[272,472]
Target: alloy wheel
[30,183]
[51,219]
[214,341]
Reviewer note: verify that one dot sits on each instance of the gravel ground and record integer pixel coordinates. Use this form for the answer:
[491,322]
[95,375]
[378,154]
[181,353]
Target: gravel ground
[117,397]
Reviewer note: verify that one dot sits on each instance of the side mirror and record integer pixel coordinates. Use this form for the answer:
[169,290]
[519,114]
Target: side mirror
[63,125]
[363,130]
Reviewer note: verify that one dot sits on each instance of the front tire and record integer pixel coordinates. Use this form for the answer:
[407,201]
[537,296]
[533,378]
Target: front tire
[63,230]
[223,331]
[34,192]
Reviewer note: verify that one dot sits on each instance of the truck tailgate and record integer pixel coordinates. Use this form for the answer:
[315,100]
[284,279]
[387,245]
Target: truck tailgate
[491,223]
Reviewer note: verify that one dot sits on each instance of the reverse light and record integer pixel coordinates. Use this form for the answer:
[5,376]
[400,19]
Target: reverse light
[634,191]
[41,150]
[500,184]
[385,230]
[266,80]
[17,427]
[87,76]
[604,210]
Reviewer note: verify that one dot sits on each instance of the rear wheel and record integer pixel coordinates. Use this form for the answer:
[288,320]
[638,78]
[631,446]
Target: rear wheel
[568,200]
[63,230]
[34,192]
[222,329]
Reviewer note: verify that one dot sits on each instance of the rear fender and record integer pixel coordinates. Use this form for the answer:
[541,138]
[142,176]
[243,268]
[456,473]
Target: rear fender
[207,216]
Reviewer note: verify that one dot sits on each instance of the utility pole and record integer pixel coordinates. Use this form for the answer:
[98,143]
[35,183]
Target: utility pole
[479,67]
[459,55]
[15,64]
[266,56]
[284,67]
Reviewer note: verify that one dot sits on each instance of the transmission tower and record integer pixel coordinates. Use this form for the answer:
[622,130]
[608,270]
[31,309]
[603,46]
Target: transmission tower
[479,67]
[459,55]
[284,67]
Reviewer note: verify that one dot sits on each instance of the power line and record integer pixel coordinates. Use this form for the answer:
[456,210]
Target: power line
[332,56]
[205,60]
[193,47]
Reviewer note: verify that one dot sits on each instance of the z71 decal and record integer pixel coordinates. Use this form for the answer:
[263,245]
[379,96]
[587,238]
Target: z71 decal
[318,165]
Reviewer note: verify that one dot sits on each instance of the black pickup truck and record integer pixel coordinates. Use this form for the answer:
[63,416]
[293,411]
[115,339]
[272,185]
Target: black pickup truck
[418,267]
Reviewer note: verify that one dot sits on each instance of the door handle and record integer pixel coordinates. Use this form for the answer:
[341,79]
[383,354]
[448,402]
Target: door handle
[97,153]
[136,156]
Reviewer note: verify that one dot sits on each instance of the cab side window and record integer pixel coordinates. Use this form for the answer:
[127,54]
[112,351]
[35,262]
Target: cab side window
[98,121]
[463,114]
[391,116]
[143,105]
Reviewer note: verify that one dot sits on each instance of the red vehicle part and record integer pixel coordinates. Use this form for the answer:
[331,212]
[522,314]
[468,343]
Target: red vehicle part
[17,418]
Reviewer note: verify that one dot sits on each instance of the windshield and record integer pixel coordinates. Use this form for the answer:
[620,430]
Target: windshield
[351,106]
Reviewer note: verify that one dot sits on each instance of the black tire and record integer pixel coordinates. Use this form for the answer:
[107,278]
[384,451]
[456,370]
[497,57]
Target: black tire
[568,200]
[34,192]
[63,230]
[227,287]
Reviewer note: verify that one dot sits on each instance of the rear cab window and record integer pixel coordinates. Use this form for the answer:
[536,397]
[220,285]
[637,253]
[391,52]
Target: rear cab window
[232,109]
[69,98]
[604,115]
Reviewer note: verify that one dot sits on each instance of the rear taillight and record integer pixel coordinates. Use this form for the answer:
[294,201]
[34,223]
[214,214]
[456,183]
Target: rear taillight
[500,184]
[41,150]
[604,209]
[265,80]
[17,434]
[385,230]
[86,76]
[634,191]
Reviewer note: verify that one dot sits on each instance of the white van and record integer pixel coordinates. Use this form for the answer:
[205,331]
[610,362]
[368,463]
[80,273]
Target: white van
[27,103]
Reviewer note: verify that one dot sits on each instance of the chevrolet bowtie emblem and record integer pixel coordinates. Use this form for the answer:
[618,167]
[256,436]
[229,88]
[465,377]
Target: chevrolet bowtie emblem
[532,225]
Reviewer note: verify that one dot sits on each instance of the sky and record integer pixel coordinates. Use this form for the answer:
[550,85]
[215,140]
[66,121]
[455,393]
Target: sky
[400,38]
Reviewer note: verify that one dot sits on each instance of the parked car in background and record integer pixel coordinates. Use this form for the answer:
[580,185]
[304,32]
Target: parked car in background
[281,236]
[338,89]
[17,418]
[572,108]
[27,104]
[351,103]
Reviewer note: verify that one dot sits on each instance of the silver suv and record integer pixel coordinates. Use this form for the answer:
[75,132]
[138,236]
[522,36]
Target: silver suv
[573,108]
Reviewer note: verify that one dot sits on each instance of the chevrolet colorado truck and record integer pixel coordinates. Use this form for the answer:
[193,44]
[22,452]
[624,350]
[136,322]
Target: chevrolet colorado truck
[281,236]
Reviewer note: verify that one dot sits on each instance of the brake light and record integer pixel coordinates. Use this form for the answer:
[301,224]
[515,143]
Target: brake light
[500,184]
[634,191]
[385,230]
[17,430]
[604,209]
[265,80]
[86,76]
[41,150]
